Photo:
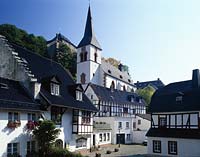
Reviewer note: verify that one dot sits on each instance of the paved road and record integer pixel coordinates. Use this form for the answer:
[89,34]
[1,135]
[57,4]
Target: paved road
[124,151]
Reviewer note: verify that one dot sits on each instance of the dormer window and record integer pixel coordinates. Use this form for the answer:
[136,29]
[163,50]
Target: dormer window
[179,98]
[109,71]
[120,76]
[55,89]
[79,95]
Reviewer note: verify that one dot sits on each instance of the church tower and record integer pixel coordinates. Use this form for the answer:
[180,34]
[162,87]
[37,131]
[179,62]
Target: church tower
[88,56]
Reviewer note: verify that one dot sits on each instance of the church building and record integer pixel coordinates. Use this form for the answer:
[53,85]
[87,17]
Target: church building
[110,89]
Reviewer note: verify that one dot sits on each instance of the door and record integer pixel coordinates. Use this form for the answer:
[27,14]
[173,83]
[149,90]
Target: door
[121,138]
[93,140]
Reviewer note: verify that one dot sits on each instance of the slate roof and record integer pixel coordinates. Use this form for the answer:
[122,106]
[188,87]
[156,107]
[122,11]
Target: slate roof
[165,99]
[156,84]
[174,133]
[115,72]
[89,35]
[61,37]
[14,96]
[116,96]
[145,116]
[45,68]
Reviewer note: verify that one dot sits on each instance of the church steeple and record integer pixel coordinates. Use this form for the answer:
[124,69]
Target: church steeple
[89,35]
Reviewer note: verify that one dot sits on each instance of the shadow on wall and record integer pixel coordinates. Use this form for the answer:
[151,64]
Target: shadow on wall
[16,139]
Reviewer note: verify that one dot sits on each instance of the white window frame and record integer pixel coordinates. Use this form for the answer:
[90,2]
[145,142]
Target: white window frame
[128,137]
[172,147]
[13,116]
[156,146]
[79,95]
[55,89]
[14,148]
[108,136]
[119,125]
[31,116]
[127,126]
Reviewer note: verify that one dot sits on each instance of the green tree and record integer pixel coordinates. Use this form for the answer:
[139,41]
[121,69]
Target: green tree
[46,134]
[67,58]
[20,37]
[146,93]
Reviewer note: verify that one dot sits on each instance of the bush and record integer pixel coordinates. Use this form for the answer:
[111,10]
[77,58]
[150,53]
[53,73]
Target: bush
[58,152]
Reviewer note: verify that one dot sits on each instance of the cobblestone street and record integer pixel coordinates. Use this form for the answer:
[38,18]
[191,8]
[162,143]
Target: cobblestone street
[124,151]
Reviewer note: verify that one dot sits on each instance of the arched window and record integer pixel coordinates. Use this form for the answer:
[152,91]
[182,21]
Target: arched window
[85,56]
[112,86]
[59,143]
[83,78]
[81,57]
[95,57]
[124,88]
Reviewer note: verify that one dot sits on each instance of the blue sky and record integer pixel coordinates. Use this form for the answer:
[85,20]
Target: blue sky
[155,38]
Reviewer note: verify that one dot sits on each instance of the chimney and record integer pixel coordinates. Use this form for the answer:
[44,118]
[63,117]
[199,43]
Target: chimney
[195,78]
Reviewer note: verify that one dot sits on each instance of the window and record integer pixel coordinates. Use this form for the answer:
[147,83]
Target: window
[85,117]
[104,136]
[31,117]
[125,110]
[128,137]
[81,57]
[127,125]
[179,99]
[100,137]
[139,121]
[82,142]
[134,125]
[172,147]
[112,86]
[31,146]
[119,125]
[13,116]
[156,146]
[13,148]
[79,95]
[95,57]
[108,136]
[56,115]
[55,89]
[162,122]
[83,78]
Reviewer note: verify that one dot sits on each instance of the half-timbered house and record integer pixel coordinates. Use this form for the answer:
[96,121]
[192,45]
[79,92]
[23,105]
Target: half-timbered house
[175,119]
[33,87]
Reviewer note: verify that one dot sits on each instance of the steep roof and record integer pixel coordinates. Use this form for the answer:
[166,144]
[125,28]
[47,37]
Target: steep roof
[44,68]
[176,97]
[14,96]
[116,96]
[89,35]
[60,37]
[145,116]
[156,84]
[115,72]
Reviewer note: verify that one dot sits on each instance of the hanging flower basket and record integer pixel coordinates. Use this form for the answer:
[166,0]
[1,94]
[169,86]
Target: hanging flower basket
[31,125]
[13,124]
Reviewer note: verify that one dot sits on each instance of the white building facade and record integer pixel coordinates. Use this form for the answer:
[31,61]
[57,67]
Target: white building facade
[32,88]
[175,119]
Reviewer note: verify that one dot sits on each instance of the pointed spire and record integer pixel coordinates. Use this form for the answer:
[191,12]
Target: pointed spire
[89,35]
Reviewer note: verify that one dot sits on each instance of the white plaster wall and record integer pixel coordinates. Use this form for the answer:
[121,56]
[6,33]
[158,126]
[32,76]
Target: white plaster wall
[185,147]
[118,83]
[139,133]
[19,135]
[97,139]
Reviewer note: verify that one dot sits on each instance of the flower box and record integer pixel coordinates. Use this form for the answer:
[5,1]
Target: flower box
[13,124]
[31,125]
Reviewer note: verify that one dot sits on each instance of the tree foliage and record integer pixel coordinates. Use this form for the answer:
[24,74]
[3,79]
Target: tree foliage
[67,58]
[18,36]
[146,93]
[46,134]
[112,61]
